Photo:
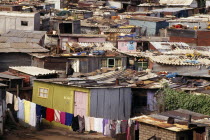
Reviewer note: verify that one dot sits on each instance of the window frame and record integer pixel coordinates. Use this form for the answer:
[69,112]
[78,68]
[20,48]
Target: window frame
[24,23]
[43,92]
[108,66]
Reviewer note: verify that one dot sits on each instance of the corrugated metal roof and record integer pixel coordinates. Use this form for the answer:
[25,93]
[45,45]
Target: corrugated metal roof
[33,71]
[147,18]
[118,30]
[170,9]
[96,46]
[166,46]
[6,76]
[196,18]
[176,2]
[176,60]
[21,47]
[180,119]
[22,36]
[17,14]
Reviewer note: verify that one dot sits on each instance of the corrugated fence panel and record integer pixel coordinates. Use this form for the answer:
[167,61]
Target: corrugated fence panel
[114,103]
[93,102]
[121,110]
[100,106]
[107,105]
[127,97]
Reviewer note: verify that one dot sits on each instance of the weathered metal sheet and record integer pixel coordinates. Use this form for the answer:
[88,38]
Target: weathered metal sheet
[182,33]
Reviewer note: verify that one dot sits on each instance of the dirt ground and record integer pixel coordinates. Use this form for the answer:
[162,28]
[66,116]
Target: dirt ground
[50,134]
[14,131]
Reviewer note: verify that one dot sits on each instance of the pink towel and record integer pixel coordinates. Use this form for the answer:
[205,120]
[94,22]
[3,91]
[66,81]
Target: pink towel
[62,117]
[57,116]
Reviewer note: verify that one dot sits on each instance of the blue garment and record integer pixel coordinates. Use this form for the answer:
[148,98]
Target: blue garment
[38,110]
[43,111]
[171,75]
[69,118]
[20,113]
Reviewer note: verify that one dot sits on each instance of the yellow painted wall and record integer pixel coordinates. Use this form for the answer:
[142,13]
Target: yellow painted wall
[60,97]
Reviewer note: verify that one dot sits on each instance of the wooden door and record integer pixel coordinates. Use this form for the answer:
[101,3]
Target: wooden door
[81,103]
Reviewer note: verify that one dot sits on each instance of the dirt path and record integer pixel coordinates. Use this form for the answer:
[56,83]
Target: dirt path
[51,134]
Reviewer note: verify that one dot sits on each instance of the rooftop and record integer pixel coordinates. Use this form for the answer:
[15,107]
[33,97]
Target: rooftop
[21,47]
[147,18]
[176,2]
[170,9]
[7,76]
[180,120]
[22,36]
[17,14]
[84,35]
[33,71]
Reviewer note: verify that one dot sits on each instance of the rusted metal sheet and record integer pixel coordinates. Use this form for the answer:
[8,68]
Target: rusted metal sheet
[92,39]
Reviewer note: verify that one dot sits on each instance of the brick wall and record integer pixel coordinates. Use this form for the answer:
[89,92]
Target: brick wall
[147,131]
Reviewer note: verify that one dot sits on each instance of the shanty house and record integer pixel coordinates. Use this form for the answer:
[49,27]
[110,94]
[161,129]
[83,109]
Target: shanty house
[114,33]
[28,75]
[198,37]
[21,36]
[127,46]
[81,62]
[150,26]
[199,21]
[84,98]
[19,21]
[82,38]
[176,12]
[11,80]
[166,46]
[17,54]
[174,125]
[65,27]
[187,3]
[86,64]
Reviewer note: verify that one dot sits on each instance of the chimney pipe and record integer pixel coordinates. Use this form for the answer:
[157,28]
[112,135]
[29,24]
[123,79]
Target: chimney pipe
[189,119]
[170,120]
[117,82]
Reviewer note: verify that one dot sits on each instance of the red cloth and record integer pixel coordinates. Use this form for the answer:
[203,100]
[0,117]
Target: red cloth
[50,114]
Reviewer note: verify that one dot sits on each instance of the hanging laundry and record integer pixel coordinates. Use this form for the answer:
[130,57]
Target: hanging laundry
[9,98]
[43,111]
[106,125]
[27,110]
[124,125]
[118,130]
[38,110]
[57,116]
[50,114]
[69,118]
[20,113]
[98,125]
[113,128]
[32,121]
[62,117]
[87,123]
[75,123]
[92,124]
[15,103]
[81,124]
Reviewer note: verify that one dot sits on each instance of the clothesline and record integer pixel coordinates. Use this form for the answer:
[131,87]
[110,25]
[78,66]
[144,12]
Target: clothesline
[32,114]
